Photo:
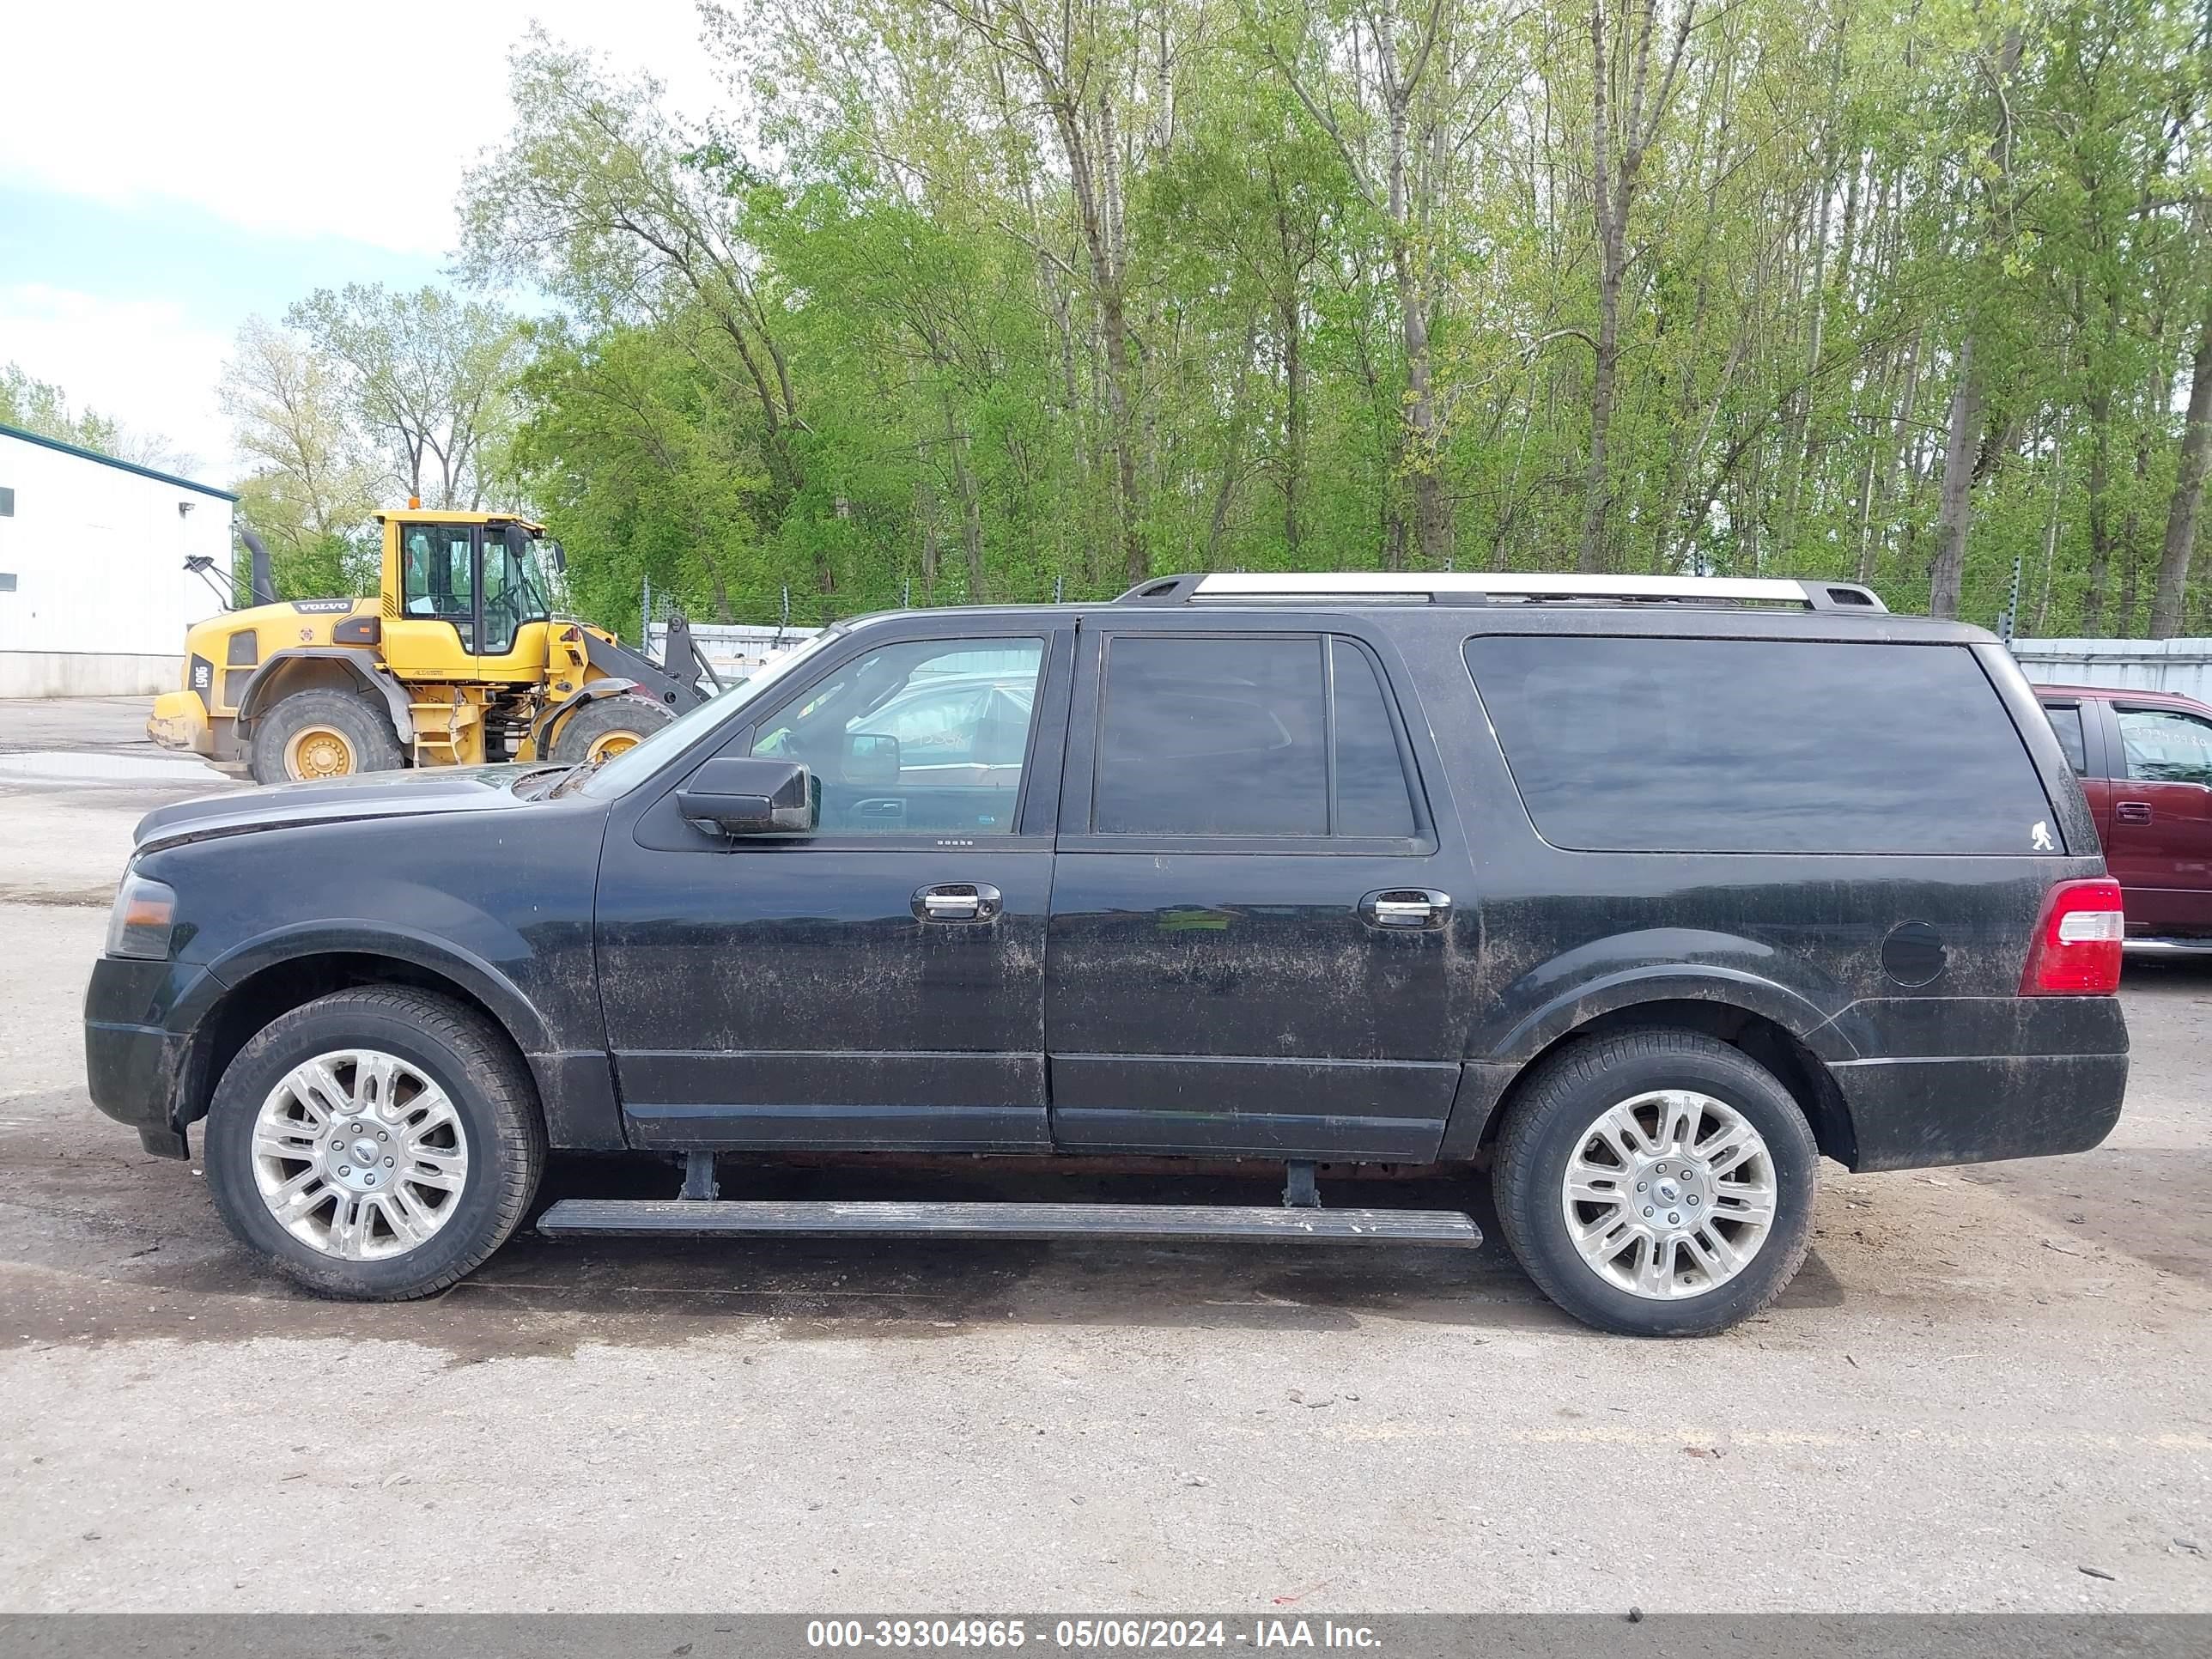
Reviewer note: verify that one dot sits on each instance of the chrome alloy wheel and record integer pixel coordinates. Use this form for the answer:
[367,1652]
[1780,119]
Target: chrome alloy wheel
[1669,1195]
[359,1155]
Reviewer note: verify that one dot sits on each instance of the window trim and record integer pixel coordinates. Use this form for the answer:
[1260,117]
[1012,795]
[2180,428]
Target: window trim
[1085,838]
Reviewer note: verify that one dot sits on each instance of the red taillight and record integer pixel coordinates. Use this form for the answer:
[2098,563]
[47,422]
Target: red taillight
[2076,948]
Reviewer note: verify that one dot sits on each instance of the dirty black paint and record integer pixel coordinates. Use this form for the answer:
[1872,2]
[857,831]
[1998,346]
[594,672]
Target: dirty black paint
[1197,996]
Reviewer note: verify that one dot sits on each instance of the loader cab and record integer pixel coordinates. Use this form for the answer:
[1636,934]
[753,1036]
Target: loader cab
[465,597]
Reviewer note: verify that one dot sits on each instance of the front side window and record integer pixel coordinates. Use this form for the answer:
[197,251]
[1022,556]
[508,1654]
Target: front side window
[1202,736]
[440,578]
[2163,746]
[1664,746]
[923,737]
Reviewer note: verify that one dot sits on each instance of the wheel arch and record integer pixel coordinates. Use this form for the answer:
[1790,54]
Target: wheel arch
[1715,1009]
[256,992]
[541,730]
[315,667]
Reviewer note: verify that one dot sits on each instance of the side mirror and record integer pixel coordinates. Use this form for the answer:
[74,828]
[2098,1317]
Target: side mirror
[557,554]
[751,795]
[871,761]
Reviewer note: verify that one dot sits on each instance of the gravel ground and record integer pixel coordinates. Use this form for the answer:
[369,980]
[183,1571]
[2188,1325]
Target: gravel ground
[1987,1390]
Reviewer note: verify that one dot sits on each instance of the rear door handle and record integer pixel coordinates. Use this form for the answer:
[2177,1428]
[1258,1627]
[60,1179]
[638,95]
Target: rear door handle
[2132,812]
[958,900]
[1402,909]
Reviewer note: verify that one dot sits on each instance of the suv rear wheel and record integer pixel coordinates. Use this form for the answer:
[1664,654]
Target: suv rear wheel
[378,1143]
[1656,1182]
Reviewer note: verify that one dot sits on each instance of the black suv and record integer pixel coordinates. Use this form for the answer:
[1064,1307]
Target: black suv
[1641,894]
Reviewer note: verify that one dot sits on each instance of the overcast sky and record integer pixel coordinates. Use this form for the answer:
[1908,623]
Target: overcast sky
[167,170]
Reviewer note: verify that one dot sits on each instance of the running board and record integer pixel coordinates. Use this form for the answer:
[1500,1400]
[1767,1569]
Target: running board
[2166,947]
[828,1217]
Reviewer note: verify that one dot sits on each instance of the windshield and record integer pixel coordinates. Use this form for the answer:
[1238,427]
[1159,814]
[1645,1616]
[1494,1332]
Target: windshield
[626,770]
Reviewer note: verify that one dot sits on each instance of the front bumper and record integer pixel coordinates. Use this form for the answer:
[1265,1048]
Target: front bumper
[133,1063]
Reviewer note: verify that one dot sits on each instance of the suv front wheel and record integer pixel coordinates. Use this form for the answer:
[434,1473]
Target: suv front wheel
[377,1143]
[1656,1182]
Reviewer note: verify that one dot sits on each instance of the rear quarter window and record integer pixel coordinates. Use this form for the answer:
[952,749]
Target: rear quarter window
[1759,746]
[2066,725]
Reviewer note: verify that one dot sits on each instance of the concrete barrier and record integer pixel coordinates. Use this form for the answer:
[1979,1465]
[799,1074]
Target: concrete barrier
[86,674]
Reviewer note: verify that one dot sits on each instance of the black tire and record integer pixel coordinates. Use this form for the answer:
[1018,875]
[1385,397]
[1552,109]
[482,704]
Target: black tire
[367,732]
[458,1049]
[639,717]
[1554,1113]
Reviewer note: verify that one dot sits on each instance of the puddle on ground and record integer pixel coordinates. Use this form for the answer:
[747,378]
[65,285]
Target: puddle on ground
[108,768]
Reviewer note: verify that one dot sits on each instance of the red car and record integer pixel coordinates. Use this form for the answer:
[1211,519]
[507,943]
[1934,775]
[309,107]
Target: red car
[2145,760]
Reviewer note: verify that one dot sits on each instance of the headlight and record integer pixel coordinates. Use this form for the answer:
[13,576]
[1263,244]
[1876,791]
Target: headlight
[144,912]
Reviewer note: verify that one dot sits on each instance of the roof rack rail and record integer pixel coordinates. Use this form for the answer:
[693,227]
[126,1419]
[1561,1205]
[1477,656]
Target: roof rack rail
[1447,587]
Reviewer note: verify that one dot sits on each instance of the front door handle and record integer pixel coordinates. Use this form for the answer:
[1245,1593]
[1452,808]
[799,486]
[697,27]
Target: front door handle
[1402,909]
[2132,812]
[958,900]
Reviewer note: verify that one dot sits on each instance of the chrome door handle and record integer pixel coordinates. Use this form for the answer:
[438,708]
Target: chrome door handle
[1403,909]
[957,900]
[2132,812]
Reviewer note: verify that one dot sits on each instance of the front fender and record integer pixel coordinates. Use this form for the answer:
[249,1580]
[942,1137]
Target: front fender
[473,974]
[373,675]
[591,691]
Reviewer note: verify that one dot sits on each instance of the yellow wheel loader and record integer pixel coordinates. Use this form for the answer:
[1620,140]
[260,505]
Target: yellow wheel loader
[458,661]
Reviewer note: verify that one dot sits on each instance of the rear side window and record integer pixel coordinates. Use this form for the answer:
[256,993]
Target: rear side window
[2066,723]
[1371,796]
[1203,736]
[1759,746]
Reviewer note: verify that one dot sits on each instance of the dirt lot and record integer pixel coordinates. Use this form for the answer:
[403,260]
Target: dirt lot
[1986,1382]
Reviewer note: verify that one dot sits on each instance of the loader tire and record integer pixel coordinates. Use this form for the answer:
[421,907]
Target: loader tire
[600,731]
[314,736]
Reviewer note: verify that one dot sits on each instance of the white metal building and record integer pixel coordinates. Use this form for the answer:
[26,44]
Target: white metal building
[2182,665]
[94,597]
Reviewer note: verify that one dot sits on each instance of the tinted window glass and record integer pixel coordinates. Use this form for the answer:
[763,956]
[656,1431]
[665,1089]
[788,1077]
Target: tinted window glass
[2066,721]
[919,737]
[1371,797]
[1208,737]
[2165,746]
[1759,745]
